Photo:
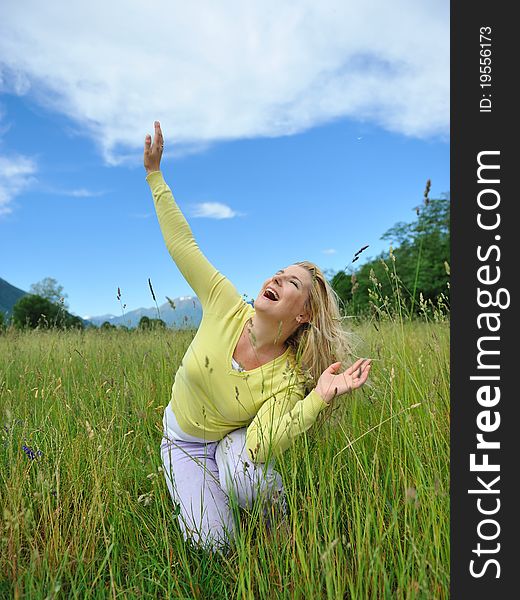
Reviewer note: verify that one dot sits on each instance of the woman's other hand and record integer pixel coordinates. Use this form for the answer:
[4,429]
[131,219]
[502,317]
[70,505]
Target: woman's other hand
[331,385]
[153,152]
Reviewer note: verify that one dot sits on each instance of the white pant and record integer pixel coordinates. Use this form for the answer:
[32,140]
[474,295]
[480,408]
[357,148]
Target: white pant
[203,477]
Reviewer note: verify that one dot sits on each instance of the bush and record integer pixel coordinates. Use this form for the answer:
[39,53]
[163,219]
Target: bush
[33,311]
[147,323]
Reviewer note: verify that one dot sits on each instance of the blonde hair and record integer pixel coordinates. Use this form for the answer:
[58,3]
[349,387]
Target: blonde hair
[323,340]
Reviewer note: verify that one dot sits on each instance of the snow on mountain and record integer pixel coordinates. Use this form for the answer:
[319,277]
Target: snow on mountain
[186,314]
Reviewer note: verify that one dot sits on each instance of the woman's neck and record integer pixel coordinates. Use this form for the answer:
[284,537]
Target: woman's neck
[266,336]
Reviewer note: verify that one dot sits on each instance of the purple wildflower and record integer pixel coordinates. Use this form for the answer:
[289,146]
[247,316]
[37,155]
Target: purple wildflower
[30,452]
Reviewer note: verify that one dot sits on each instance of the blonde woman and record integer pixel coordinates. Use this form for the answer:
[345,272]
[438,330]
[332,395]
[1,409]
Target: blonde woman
[251,381]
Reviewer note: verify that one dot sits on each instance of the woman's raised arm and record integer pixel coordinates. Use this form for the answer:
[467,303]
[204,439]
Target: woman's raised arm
[211,287]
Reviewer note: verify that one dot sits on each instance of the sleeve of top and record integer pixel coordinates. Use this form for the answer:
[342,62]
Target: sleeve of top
[210,286]
[278,422]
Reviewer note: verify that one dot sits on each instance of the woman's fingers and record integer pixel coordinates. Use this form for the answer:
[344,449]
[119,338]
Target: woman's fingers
[153,152]
[355,366]
[333,368]
[158,140]
[351,379]
[358,374]
[364,375]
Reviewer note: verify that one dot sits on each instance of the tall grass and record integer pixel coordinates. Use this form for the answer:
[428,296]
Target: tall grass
[91,517]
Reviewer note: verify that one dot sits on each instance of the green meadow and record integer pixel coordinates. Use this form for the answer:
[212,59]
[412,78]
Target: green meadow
[85,511]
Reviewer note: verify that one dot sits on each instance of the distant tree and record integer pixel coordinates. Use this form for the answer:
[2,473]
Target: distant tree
[342,285]
[34,311]
[50,289]
[144,322]
[106,325]
[73,322]
[2,320]
[147,323]
[422,252]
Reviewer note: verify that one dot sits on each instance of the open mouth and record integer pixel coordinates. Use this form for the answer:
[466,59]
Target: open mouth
[270,294]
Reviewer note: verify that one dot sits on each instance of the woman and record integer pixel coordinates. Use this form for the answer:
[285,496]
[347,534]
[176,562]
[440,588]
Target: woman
[250,382]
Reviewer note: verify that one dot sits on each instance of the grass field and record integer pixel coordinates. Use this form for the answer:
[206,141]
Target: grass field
[85,511]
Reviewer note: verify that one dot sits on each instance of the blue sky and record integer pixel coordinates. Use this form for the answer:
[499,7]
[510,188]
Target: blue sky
[309,148]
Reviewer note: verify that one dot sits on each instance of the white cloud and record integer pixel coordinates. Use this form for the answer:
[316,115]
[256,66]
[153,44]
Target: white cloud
[329,251]
[79,193]
[213,71]
[16,174]
[214,210]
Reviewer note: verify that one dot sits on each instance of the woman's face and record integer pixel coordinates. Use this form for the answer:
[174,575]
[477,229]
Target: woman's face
[284,294]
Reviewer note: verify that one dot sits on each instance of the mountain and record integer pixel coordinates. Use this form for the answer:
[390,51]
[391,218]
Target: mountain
[186,314]
[9,296]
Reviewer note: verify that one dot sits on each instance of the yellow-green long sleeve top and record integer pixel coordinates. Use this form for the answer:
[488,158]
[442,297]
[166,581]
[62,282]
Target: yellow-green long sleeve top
[210,398]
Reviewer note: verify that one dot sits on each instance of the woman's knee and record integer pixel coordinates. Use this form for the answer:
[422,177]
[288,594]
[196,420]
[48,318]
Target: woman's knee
[201,506]
[239,476]
[210,534]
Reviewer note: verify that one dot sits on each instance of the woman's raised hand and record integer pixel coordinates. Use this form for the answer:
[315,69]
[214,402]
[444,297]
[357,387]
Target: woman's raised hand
[153,152]
[331,385]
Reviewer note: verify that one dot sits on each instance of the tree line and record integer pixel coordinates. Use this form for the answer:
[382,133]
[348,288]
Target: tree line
[414,274]
[45,307]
